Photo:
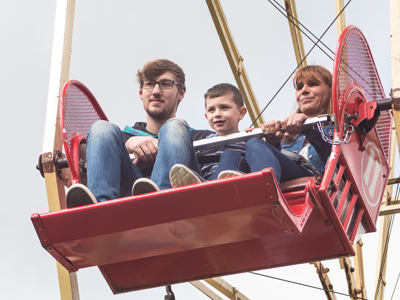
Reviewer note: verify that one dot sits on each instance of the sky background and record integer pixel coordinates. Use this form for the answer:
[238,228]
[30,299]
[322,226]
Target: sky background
[111,41]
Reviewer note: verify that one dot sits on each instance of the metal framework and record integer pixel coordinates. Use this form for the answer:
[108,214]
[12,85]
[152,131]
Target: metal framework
[52,145]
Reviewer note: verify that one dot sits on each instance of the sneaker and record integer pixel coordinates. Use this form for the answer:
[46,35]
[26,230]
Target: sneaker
[229,173]
[79,195]
[181,175]
[144,186]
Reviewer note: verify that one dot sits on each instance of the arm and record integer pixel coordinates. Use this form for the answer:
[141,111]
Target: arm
[144,148]
[272,132]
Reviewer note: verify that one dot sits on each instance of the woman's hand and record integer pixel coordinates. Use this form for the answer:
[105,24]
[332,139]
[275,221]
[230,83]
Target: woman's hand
[144,148]
[292,124]
[272,131]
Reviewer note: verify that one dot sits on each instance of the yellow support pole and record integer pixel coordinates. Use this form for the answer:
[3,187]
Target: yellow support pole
[235,60]
[359,270]
[325,281]
[59,73]
[380,280]
[341,21]
[295,32]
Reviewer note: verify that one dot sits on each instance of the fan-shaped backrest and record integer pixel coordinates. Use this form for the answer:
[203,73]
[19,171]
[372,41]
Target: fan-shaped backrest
[354,62]
[79,109]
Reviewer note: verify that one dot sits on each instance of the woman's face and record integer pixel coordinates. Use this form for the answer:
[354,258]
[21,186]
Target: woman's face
[312,96]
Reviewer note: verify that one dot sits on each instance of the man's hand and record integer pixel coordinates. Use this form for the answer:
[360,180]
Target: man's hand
[144,148]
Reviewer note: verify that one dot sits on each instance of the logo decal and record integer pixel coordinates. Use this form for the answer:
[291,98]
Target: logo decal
[371,173]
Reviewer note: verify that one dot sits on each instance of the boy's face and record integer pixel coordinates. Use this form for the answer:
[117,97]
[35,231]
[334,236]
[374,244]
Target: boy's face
[223,115]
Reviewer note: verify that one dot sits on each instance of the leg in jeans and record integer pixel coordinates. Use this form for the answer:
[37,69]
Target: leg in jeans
[175,146]
[111,173]
[233,161]
[261,155]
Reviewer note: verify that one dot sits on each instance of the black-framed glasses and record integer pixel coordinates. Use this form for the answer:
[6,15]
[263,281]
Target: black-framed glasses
[164,84]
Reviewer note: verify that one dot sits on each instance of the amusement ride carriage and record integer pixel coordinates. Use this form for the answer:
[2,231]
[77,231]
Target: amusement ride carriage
[202,231]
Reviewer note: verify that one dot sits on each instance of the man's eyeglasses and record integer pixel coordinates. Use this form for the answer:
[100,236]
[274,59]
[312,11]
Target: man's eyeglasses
[164,84]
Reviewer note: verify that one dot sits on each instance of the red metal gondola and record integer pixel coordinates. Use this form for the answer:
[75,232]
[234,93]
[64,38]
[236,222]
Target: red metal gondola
[236,224]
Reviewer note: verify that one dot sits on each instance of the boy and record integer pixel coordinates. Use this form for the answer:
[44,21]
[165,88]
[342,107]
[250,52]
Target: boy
[224,109]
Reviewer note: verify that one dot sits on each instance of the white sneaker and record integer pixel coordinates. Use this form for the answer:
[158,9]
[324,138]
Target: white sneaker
[144,186]
[180,175]
[79,195]
[229,173]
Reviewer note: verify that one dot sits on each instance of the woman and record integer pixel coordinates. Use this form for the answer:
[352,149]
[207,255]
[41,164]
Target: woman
[313,86]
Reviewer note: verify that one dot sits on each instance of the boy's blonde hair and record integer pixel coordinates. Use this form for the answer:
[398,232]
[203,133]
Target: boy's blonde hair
[223,89]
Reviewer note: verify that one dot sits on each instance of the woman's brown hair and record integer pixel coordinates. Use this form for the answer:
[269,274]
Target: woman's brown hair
[316,73]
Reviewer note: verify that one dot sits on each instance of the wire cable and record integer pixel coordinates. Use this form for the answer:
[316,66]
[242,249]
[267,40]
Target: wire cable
[394,290]
[306,285]
[385,249]
[282,10]
[312,48]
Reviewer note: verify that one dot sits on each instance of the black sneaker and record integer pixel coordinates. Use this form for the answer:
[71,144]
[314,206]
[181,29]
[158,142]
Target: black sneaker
[144,186]
[79,195]
[181,175]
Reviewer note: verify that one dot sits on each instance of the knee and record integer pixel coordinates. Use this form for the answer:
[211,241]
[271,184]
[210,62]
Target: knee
[254,143]
[103,130]
[230,153]
[174,126]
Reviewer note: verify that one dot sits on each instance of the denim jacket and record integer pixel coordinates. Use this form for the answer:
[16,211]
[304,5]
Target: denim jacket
[318,149]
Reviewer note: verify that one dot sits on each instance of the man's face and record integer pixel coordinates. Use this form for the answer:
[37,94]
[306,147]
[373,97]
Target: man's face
[161,104]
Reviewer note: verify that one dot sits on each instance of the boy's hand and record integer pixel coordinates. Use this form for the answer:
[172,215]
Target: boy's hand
[144,148]
[272,131]
[249,129]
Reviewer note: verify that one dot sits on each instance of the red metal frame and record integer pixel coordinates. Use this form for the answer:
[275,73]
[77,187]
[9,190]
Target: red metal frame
[236,224]
[354,64]
[79,109]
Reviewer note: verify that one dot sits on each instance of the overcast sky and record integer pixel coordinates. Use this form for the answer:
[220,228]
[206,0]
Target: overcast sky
[112,40]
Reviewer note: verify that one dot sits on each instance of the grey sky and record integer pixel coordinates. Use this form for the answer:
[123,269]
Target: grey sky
[112,40]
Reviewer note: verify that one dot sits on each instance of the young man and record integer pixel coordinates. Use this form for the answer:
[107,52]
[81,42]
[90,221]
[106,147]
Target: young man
[224,110]
[157,144]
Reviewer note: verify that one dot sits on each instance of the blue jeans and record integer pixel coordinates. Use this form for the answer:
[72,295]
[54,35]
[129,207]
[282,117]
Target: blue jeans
[175,146]
[111,172]
[231,160]
[261,155]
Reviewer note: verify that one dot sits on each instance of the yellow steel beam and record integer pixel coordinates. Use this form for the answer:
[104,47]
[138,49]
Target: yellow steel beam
[205,290]
[380,277]
[324,278]
[341,21]
[389,210]
[59,73]
[380,280]
[359,270]
[295,32]
[235,60]
[225,288]
[346,265]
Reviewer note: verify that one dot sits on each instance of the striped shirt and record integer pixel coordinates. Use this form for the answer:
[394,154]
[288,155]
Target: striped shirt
[208,169]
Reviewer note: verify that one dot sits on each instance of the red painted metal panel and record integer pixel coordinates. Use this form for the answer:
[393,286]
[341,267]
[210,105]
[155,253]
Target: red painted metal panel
[205,230]
[236,224]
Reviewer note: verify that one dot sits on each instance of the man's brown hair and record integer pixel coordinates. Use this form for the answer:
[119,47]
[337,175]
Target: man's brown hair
[152,69]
